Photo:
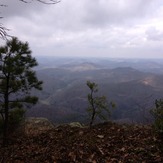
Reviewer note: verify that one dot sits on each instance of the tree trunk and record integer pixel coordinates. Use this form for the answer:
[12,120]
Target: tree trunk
[92,119]
[6,111]
[5,126]
[93,110]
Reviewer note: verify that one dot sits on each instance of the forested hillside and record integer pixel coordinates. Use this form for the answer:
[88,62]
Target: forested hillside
[132,84]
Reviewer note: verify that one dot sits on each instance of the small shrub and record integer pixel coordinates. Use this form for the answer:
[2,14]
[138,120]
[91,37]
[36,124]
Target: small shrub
[157,113]
[16,116]
[98,105]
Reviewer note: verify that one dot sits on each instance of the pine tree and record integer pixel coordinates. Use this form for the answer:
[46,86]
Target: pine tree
[98,105]
[17,79]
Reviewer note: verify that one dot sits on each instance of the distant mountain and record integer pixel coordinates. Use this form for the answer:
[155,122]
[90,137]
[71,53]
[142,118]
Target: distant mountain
[81,67]
[64,95]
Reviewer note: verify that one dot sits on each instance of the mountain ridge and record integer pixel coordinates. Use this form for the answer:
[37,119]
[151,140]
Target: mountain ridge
[65,91]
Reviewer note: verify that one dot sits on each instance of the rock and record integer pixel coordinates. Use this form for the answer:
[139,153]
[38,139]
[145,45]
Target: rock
[37,125]
[100,136]
[76,124]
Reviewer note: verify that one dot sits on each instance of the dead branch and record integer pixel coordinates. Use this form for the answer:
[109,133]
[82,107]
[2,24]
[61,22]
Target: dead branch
[42,1]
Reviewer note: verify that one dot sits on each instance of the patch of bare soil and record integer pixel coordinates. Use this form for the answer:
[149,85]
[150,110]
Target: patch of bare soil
[104,143]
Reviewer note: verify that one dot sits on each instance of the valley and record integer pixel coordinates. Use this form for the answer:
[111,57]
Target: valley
[132,84]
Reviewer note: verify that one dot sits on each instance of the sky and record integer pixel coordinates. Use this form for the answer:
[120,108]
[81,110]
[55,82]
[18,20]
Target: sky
[91,28]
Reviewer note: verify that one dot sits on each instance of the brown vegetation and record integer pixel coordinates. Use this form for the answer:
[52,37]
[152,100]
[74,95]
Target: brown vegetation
[106,142]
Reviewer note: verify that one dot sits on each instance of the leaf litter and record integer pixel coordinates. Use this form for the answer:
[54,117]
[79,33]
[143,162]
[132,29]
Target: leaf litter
[103,143]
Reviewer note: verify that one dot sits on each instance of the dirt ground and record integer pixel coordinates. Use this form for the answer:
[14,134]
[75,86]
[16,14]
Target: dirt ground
[104,143]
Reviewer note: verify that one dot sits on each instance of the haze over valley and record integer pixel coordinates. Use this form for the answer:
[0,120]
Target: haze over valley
[132,84]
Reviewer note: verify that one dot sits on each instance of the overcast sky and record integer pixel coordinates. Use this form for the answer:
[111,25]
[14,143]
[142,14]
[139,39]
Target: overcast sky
[108,28]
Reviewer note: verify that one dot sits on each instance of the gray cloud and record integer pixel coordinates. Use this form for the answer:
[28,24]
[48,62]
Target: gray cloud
[154,34]
[98,27]
[104,12]
[16,8]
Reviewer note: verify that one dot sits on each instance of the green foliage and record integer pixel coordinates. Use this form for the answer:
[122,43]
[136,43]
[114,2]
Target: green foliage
[98,105]
[157,113]
[17,79]
[17,64]
[16,116]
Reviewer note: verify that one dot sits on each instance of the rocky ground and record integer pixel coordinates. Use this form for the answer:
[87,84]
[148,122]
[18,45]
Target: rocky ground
[104,143]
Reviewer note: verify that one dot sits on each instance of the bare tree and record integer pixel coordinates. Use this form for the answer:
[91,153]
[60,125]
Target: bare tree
[42,1]
[3,29]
